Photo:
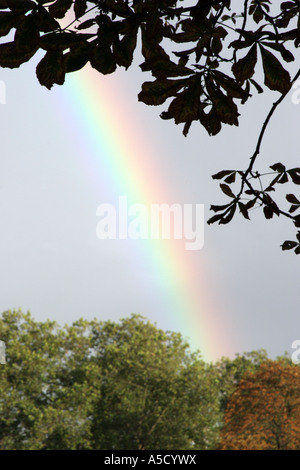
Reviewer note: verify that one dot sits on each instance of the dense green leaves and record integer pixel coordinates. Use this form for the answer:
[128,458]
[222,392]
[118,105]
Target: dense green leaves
[103,385]
[125,385]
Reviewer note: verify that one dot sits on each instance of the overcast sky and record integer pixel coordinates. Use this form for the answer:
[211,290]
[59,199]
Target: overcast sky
[53,264]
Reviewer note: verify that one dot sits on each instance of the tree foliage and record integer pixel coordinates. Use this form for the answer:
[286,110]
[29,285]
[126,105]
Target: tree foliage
[46,386]
[206,59]
[155,395]
[231,371]
[264,411]
[103,385]
[128,385]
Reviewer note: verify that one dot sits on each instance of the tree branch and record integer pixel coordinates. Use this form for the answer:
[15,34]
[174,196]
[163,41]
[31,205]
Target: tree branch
[263,130]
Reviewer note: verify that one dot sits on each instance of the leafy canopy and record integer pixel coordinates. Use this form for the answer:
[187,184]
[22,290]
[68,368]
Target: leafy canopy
[129,385]
[263,413]
[206,59]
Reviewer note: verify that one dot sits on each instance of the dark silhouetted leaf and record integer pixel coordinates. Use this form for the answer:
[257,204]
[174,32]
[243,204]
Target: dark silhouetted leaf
[250,204]
[20,6]
[229,216]
[257,86]
[7,21]
[51,70]
[45,21]
[268,212]
[276,77]
[87,24]
[230,85]
[215,218]
[292,199]
[240,44]
[288,245]
[287,55]
[224,106]
[11,57]
[270,207]
[80,7]
[283,179]
[60,8]
[295,175]
[279,47]
[244,68]
[185,107]
[27,35]
[221,174]
[219,208]
[186,128]
[165,115]
[231,178]
[123,49]
[62,41]
[77,57]
[226,190]
[156,93]
[294,208]
[297,220]
[210,121]
[278,167]
[102,59]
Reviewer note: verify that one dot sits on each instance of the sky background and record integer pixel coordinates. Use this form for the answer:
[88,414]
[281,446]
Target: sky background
[52,179]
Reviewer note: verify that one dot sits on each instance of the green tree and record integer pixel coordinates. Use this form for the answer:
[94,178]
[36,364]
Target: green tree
[45,386]
[207,60]
[155,395]
[103,385]
[231,371]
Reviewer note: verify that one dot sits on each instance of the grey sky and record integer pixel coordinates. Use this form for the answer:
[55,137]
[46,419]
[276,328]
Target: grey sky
[52,263]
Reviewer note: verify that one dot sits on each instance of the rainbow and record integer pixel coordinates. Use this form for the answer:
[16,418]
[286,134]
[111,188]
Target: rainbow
[118,151]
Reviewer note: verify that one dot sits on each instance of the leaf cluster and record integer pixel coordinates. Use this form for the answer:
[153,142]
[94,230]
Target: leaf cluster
[206,61]
[204,79]
[249,196]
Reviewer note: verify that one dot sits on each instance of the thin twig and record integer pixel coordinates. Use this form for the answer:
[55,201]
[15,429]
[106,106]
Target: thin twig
[263,130]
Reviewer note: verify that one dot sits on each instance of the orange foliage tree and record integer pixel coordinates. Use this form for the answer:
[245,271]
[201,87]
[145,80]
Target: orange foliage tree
[264,411]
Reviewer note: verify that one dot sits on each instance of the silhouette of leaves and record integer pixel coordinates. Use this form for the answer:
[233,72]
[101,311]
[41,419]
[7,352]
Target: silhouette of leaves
[206,60]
